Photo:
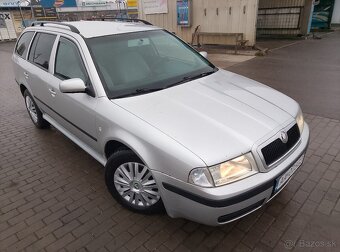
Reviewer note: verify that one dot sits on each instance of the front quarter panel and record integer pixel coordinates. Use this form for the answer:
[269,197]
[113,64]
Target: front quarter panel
[156,149]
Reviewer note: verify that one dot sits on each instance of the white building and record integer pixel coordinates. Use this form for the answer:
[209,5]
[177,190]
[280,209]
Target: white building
[336,13]
[220,19]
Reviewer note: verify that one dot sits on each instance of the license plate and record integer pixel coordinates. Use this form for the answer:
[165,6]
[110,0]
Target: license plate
[285,177]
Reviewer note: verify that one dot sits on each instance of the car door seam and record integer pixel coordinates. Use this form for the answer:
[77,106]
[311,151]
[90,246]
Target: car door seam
[80,129]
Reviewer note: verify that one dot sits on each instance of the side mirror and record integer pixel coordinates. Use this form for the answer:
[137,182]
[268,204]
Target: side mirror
[74,85]
[204,54]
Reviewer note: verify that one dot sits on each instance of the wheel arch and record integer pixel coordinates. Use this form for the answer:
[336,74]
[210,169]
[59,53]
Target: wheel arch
[134,145]
[112,146]
[22,89]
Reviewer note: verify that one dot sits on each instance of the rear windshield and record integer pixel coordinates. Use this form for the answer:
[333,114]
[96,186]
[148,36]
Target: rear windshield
[144,60]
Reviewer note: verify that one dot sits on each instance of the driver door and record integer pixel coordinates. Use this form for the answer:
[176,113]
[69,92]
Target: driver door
[76,112]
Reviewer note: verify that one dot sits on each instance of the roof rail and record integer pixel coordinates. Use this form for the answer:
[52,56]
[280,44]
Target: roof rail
[42,23]
[136,20]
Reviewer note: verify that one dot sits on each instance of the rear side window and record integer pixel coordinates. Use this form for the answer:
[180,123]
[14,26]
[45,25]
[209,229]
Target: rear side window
[23,43]
[41,49]
[68,62]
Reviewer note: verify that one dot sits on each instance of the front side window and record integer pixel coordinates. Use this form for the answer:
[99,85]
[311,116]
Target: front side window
[41,49]
[68,62]
[23,43]
[135,63]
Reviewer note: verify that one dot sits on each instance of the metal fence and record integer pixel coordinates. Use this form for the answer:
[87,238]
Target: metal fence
[279,21]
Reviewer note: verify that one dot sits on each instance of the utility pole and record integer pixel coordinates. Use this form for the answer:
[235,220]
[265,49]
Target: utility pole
[22,16]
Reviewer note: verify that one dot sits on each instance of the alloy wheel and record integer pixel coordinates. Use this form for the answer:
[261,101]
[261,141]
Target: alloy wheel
[31,109]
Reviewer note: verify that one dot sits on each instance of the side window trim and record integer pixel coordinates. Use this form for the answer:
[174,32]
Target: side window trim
[79,52]
[30,48]
[53,55]
[53,64]
[29,45]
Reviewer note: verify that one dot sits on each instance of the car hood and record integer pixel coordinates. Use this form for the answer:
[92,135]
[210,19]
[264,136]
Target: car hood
[217,117]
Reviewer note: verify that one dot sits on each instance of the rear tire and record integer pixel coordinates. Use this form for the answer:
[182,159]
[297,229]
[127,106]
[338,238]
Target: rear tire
[34,112]
[132,184]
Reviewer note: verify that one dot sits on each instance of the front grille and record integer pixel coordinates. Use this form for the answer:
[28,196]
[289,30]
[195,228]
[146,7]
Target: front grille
[276,149]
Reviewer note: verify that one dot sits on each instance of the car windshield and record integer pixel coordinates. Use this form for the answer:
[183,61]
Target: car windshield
[142,62]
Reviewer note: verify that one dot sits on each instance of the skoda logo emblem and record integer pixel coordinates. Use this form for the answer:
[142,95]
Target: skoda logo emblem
[284,137]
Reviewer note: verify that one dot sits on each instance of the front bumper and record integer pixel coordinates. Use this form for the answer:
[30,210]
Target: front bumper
[220,205]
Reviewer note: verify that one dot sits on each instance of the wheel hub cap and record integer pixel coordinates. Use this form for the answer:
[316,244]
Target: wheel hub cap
[135,183]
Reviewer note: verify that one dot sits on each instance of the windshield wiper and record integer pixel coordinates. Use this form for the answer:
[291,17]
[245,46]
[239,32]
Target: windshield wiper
[139,91]
[146,90]
[194,77]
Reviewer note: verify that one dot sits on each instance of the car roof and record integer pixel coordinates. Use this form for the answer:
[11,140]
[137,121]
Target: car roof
[91,29]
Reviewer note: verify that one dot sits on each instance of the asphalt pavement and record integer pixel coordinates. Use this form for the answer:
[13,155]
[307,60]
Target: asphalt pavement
[308,71]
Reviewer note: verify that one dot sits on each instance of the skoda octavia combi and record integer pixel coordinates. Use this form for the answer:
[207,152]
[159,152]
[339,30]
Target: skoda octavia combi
[173,131]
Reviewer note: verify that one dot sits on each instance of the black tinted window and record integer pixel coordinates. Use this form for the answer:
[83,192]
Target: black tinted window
[23,44]
[41,49]
[68,63]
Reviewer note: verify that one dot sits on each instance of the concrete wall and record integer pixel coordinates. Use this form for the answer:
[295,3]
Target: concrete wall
[212,16]
[306,18]
[336,13]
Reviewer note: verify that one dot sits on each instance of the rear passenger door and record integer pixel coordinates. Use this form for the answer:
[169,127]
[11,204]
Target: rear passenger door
[19,58]
[37,73]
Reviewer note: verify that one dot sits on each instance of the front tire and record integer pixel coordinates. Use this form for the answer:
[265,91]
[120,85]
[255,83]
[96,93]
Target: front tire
[34,112]
[132,184]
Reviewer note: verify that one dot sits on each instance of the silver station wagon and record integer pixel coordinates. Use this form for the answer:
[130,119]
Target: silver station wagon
[173,131]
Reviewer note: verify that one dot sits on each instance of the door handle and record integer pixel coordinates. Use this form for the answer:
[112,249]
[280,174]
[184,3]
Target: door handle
[52,92]
[26,75]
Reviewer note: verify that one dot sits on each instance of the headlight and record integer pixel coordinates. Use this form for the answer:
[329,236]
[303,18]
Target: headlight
[224,173]
[300,121]
[235,169]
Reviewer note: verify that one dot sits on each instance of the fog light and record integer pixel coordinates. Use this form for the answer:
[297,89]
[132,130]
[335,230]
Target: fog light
[201,177]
